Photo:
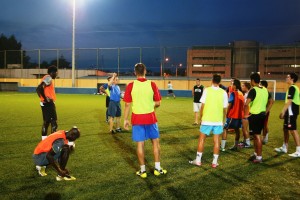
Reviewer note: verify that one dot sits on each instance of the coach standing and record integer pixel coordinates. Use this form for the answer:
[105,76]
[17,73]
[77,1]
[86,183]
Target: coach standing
[46,92]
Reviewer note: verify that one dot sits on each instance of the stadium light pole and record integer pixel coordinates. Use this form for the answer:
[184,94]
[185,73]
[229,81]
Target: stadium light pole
[73,45]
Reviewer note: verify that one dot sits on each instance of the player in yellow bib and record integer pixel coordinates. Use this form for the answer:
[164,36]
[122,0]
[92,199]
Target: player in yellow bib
[143,95]
[259,101]
[289,113]
[212,116]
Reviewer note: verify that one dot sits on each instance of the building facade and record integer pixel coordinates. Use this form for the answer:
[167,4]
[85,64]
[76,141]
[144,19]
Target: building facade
[241,58]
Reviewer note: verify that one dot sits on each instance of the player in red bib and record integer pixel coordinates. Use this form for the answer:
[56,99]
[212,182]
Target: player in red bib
[143,96]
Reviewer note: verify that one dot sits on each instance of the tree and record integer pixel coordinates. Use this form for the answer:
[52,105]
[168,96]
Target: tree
[62,63]
[11,52]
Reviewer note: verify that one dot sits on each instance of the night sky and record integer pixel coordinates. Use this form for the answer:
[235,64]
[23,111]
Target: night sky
[142,23]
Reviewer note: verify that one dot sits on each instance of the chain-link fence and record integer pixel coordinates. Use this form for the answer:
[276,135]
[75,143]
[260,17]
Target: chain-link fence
[94,61]
[272,61]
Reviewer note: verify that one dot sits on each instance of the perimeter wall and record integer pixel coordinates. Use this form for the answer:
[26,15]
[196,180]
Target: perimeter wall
[182,87]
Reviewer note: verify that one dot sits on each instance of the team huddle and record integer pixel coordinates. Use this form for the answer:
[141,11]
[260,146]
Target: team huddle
[217,110]
[243,106]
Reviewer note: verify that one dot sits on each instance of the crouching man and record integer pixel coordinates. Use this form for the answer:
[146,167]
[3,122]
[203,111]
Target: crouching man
[55,151]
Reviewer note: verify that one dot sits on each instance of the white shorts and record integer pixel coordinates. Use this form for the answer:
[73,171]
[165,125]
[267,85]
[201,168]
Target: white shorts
[197,107]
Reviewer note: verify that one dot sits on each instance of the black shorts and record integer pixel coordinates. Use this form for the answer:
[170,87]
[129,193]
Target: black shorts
[290,122]
[256,123]
[170,91]
[232,123]
[49,112]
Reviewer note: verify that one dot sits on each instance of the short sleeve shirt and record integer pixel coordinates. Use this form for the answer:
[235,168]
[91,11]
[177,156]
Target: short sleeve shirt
[58,145]
[294,108]
[198,91]
[47,80]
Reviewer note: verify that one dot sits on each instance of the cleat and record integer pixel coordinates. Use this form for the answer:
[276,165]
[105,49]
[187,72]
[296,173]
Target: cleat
[160,172]
[194,162]
[247,145]
[214,165]
[118,130]
[257,160]
[66,178]
[41,170]
[141,174]
[252,157]
[233,148]
[112,132]
[280,150]
[195,123]
[295,154]
[241,144]
[265,141]
[223,149]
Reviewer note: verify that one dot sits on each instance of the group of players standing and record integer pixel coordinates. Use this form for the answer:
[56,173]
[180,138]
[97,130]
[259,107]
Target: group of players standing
[243,106]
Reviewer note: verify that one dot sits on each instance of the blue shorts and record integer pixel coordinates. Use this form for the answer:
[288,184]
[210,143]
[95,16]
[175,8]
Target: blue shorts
[216,130]
[233,123]
[114,109]
[144,132]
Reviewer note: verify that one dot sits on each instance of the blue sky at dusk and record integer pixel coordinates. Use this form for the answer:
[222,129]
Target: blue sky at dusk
[143,23]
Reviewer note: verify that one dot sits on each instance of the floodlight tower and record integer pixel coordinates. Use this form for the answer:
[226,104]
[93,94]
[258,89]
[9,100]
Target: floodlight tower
[73,45]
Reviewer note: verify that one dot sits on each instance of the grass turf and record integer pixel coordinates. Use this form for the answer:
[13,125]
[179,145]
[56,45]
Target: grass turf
[105,164]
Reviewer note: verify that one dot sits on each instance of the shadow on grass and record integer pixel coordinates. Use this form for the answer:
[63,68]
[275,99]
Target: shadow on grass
[53,196]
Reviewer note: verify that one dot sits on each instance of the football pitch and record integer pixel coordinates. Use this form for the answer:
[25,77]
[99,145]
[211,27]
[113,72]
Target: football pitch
[105,164]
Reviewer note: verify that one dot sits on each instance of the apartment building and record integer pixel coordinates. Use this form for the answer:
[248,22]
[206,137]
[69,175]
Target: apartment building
[241,58]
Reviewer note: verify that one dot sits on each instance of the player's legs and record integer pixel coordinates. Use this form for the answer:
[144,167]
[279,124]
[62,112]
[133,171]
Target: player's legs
[111,124]
[286,135]
[64,157]
[112,110]
[295,135]
[245,129]
[139,136]
[217,131]
[63,160]
[106,115]
[53,125]
[196,118]
[216,144]
[196,109]
[140,152]
[156,149]
[47,117]
[45,129]
[266,129]
[224,134]
[40,162]
[237,138]
[201,142]
[258,144]
[256,125]
[118,116]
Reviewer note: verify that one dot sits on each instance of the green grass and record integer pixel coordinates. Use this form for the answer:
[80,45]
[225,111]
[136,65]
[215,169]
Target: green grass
[105,164]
